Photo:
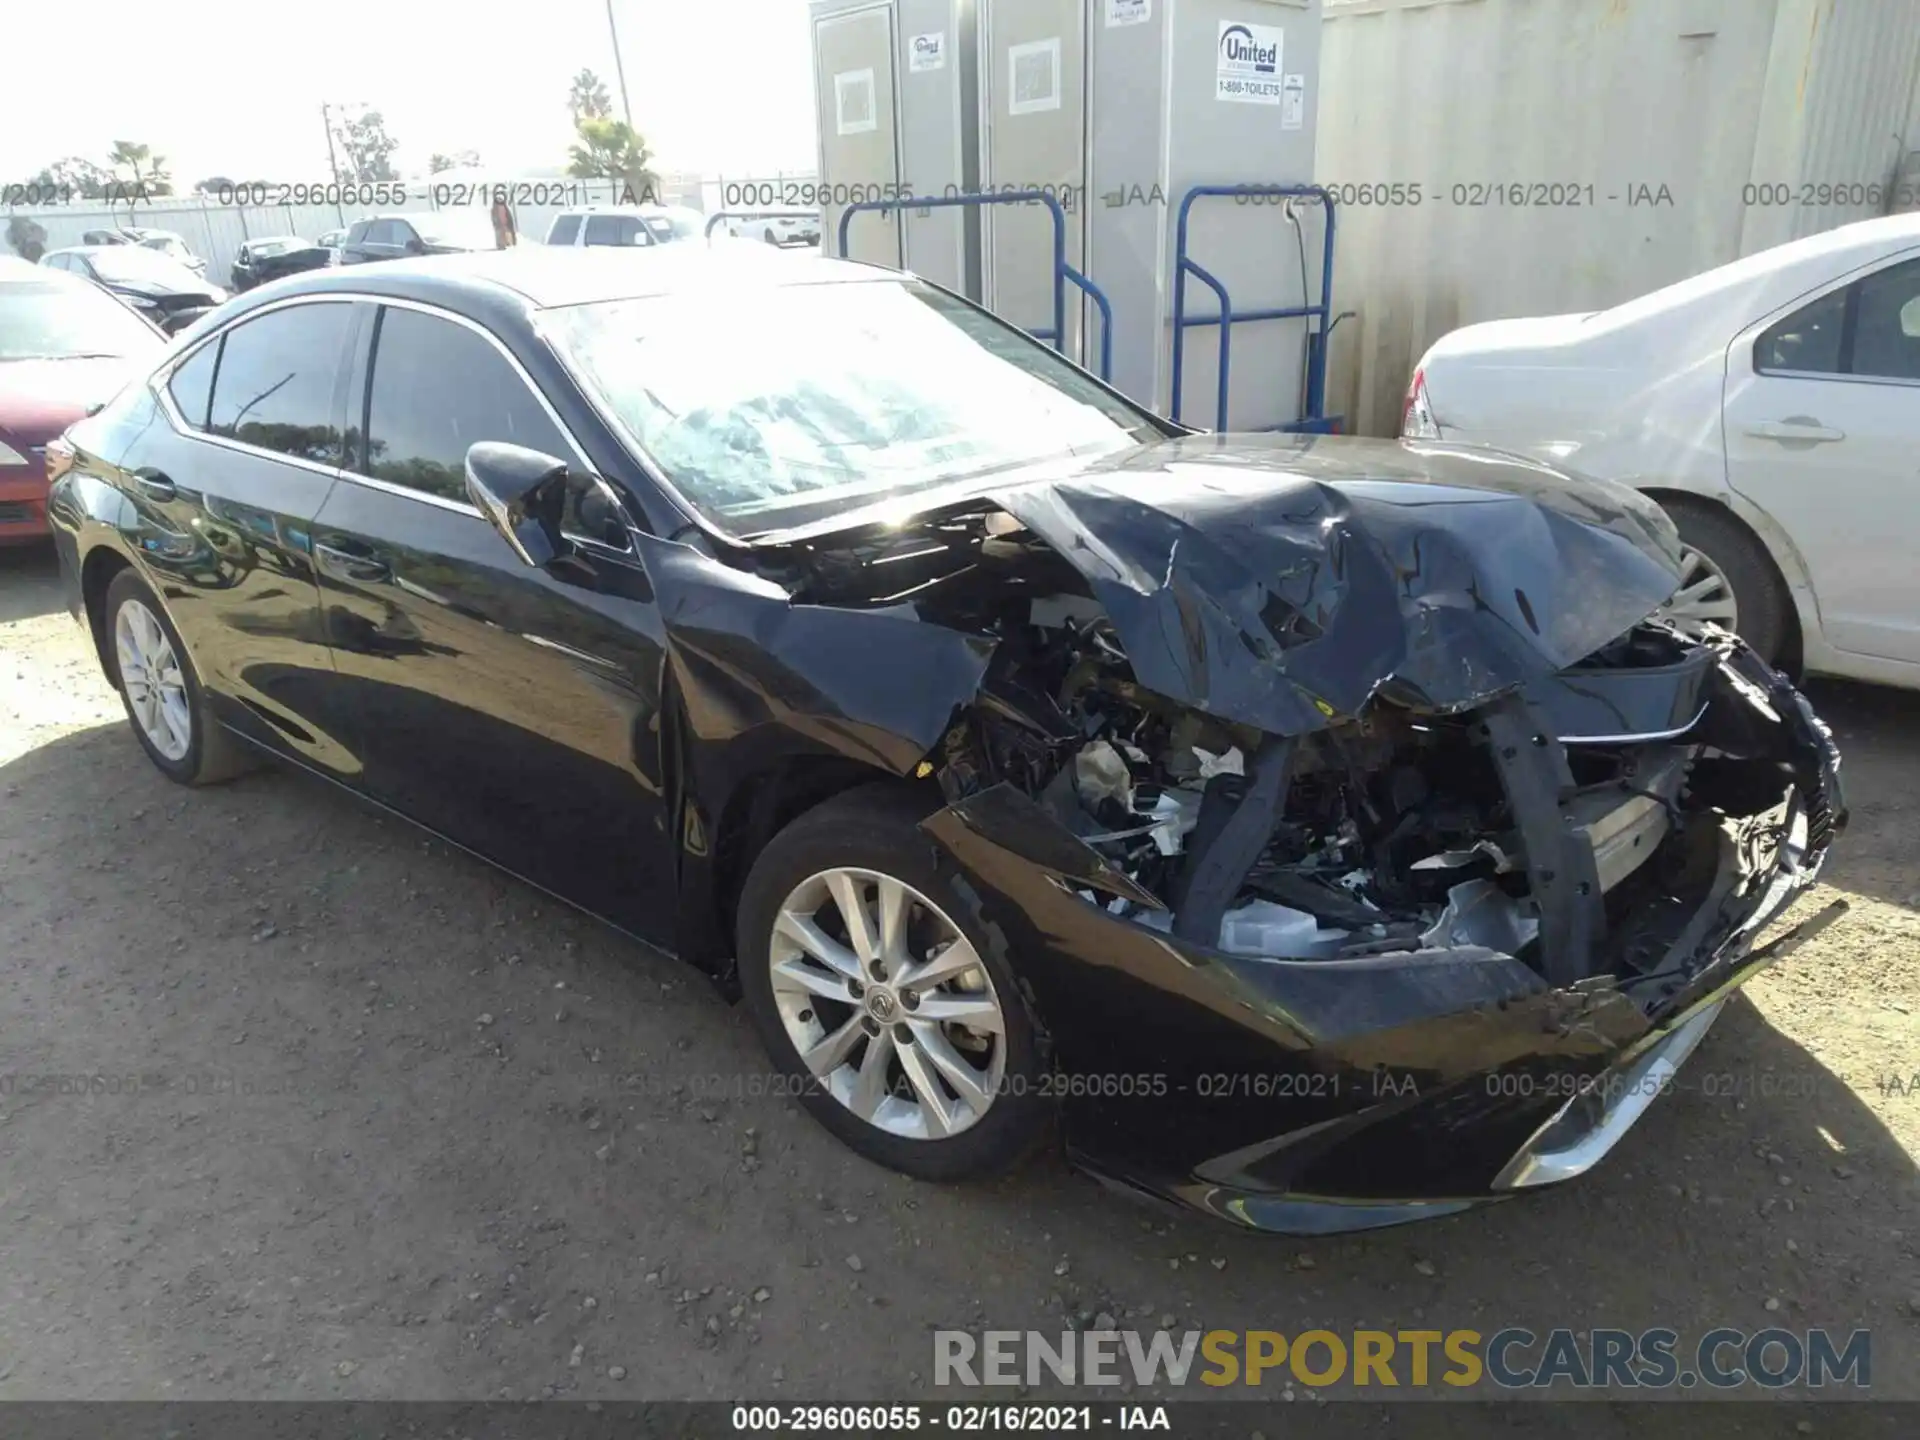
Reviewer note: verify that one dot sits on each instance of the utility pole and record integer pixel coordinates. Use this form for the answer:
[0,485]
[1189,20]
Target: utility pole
[326,119]
[619,66]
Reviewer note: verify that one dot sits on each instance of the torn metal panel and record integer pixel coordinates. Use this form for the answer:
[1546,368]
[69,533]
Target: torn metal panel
[1621,698]
[1282,582]
[879,686]
[1005,818]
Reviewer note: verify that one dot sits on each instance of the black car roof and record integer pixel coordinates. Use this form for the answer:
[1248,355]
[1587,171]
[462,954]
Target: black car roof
[545,277]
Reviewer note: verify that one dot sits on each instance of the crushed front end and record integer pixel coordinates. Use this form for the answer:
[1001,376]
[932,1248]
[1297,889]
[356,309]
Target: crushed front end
[1399,965]
[1365,849]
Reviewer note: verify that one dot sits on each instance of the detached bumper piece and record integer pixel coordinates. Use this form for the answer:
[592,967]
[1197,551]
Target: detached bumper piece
[1591,1124]
[1509,1046]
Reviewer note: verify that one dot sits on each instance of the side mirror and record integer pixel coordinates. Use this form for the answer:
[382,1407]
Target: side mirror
[521,492]
[416,246]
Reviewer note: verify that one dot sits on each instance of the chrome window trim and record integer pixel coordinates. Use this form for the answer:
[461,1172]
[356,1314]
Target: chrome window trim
[443,502]
[161,378]
[1840,377]
[159,381]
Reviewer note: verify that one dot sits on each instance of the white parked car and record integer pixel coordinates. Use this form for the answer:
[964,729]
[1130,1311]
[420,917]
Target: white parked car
[1771,405]
[777,229]
[639,225]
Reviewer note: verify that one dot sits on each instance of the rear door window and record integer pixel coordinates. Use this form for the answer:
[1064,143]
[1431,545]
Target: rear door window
[192,384]
[565,230]
[1809,341]
[275,383]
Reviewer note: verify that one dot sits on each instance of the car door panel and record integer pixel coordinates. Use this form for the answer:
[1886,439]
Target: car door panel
[221,522]
[1832,453]
[513,710]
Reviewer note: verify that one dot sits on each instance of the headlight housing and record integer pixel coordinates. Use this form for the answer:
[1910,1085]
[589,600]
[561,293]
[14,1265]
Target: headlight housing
[60,457]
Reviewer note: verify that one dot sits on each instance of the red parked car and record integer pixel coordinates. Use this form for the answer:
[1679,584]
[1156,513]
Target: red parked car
[65,345]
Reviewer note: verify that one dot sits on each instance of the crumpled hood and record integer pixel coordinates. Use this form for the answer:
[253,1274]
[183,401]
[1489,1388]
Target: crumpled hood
[1283,581]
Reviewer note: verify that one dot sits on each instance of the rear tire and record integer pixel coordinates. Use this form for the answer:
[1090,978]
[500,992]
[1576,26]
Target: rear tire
[1759,597]
[161,690]
[856,845]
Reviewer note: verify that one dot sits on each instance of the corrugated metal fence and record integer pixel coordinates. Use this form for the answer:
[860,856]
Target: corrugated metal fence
[214,227]
[1575,153]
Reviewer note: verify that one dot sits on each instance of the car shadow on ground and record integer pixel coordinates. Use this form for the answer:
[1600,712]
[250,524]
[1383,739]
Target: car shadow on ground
[399,1108]
[1878,731]
[29,582]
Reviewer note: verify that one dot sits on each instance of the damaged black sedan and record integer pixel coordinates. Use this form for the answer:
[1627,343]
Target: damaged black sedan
[1321,832]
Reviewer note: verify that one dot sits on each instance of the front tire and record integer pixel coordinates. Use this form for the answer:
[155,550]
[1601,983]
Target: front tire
[161,690]
[879,998]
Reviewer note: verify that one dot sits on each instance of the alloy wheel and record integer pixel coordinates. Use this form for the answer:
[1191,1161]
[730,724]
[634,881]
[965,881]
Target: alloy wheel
[150,674]
[887,1004]
[1705,593]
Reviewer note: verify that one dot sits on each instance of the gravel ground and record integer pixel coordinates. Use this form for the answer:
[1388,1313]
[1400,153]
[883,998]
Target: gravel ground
[407,1129]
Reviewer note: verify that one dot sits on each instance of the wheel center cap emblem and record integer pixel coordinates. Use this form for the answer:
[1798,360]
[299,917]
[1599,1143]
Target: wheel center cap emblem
[881,1005]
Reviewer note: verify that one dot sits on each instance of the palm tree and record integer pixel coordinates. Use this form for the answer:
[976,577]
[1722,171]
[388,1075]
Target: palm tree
[588,99]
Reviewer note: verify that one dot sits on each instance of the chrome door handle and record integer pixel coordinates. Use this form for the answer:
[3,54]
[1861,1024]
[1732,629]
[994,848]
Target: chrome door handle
[155,486]
[345,565]
[1804,431]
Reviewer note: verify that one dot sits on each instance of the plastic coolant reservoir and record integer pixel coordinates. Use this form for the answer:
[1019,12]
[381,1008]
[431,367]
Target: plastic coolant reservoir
[1261,928]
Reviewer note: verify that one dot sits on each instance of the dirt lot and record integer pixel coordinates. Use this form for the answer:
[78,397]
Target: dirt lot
[406,1129]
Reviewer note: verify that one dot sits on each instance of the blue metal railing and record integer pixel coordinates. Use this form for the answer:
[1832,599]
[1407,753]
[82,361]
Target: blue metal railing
[722,215]
[1063,273]
[1184,265]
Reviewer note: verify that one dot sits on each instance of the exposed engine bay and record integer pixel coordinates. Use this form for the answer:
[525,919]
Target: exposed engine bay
[1392,832]
[1408,827]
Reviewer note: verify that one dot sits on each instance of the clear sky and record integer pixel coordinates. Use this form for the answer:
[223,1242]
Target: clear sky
[717,86]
